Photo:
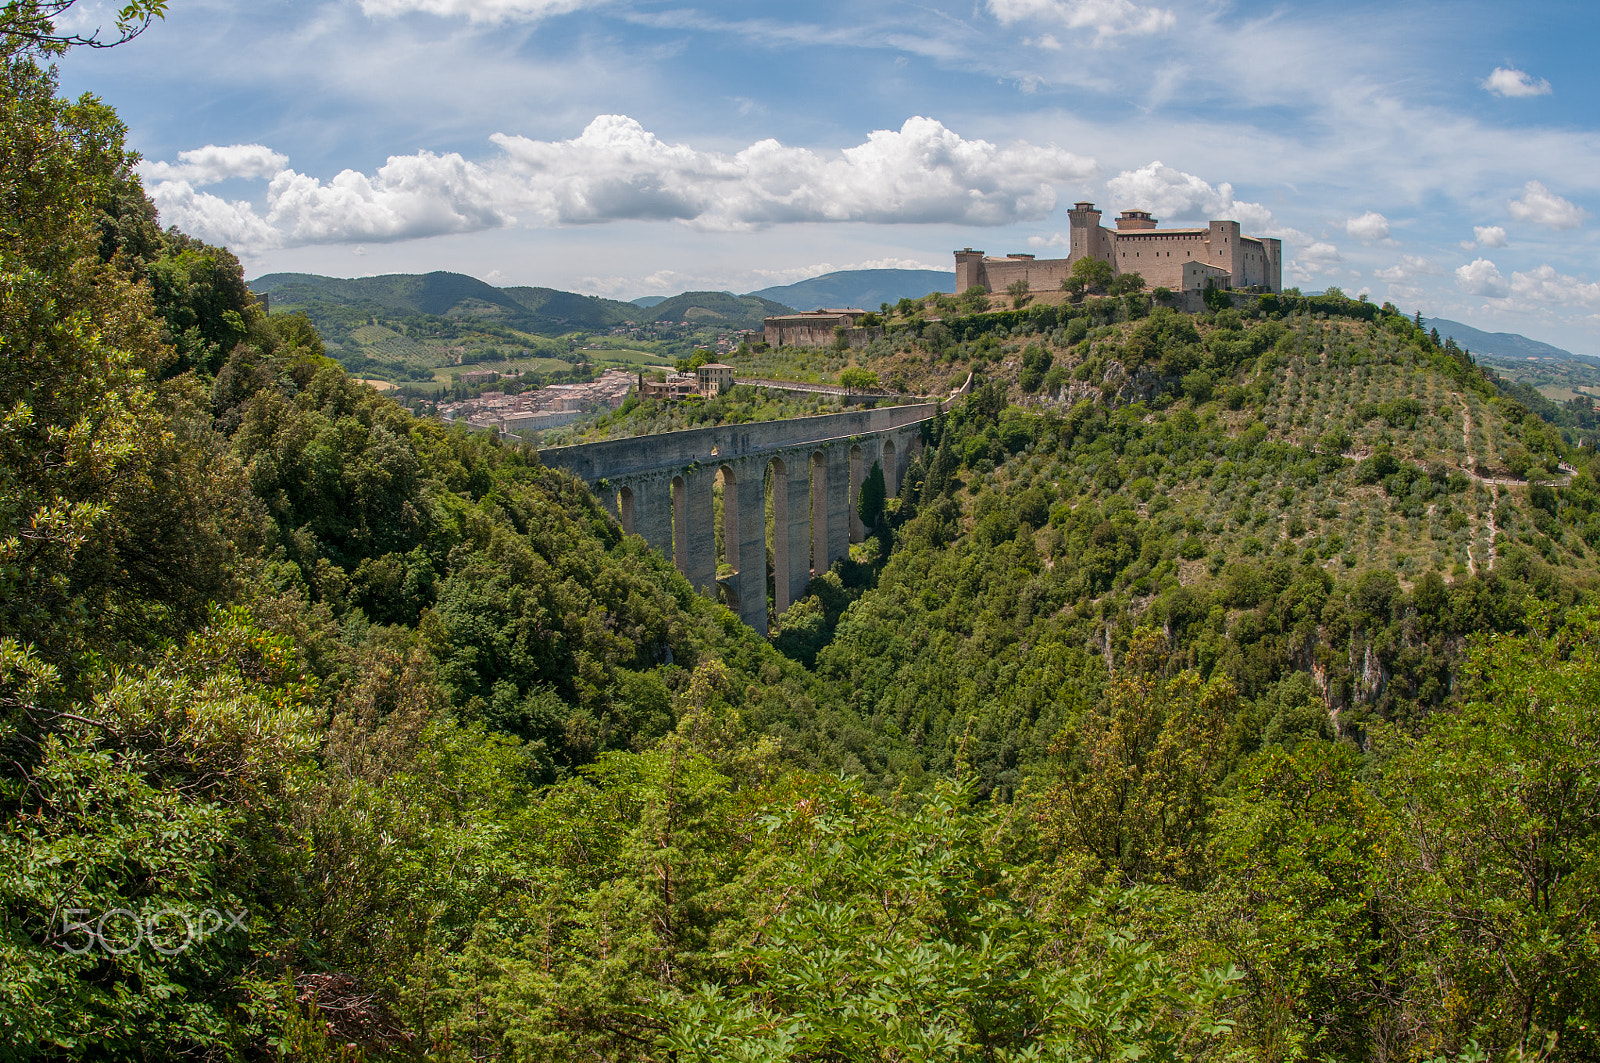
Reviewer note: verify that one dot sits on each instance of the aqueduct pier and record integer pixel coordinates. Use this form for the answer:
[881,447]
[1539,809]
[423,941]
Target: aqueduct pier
[806,471]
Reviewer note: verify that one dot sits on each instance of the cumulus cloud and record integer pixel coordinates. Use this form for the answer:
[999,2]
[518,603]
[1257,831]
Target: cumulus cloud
[1319,255]
[1108,18]
[1509,81]
[616,170]
[235,224]
[1488,236]
[409,196]
[476,10]
[1408,267]
[1368,228]
[1542,284]
[1173,193]
[1482,277]
[1543,207]
[1545,285]
[210,164]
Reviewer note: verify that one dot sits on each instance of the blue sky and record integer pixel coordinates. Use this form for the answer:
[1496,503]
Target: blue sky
[1445,156]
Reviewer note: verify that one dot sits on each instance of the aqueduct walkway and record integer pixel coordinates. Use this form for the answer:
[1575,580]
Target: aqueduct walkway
[660,487]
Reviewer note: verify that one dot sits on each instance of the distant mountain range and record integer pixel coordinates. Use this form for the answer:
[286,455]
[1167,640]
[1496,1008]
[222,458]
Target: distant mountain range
[549,311]
[536,310]
[864,288]
[1503,344]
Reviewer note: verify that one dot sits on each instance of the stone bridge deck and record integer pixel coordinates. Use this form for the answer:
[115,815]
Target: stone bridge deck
[660,487]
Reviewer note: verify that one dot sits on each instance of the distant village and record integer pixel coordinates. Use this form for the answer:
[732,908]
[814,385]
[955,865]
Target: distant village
[560,404]
[548,407]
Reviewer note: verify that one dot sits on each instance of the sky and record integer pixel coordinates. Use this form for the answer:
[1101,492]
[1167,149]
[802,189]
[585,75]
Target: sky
[1444,156]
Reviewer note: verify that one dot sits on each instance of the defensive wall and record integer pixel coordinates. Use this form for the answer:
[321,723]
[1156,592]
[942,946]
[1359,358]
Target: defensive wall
[820,328]
[1189,259]
[660,487]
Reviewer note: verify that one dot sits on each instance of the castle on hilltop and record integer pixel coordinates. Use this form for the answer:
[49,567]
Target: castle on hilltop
[1184,260]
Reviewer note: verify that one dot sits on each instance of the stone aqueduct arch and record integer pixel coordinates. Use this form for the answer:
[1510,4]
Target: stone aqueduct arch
[660,487]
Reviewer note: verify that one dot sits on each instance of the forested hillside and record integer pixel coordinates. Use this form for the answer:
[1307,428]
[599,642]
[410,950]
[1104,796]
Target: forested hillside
[1214,688]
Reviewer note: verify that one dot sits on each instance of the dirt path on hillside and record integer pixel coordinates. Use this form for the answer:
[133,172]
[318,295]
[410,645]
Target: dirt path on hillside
[1492,533]
[1504,481]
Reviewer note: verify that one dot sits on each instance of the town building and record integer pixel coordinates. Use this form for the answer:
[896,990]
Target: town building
[676,386]
[1218,255]
[715,378]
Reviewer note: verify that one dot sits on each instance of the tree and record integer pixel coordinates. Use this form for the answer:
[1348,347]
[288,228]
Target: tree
[881,934]
[1036,361]
[1088,274]
[113,519]
[855,378]
[1298,847]
[1018,290]
[869,505]
[1138,773]
[1497,846]
[28,26]
[975,300]
[1126,283]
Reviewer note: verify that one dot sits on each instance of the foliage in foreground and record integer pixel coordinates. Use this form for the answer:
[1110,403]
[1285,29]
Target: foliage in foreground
[326,733]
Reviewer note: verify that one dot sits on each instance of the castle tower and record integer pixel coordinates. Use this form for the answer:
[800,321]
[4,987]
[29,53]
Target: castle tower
[969,269]
[1226,249]
[1086,236]
[1273,249]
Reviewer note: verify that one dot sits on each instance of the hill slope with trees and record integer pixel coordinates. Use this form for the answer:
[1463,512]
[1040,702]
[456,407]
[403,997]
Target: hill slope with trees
[330,733]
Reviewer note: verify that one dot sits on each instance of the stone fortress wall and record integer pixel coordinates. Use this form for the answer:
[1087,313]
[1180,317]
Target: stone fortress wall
[819,328]
[1218,255]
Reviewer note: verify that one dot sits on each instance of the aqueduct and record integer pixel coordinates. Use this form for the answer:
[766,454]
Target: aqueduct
[806,472]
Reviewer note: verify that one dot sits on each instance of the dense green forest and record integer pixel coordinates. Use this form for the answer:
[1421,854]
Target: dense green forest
[1203,694]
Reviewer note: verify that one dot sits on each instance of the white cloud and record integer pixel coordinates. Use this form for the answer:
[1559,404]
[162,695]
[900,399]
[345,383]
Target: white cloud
[410,196]
[202,214]
[1409,266]
[1173,194]
[1319,255]
[921,172]
[1488,236]
[1509,81]
[476,10]
[210,164]
[1547,286]
[618,170]
[1108,18]
[1368,228]
[1482,277]
[1543,207]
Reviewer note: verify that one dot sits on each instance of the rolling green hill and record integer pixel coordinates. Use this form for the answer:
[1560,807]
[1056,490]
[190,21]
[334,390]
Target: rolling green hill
[444,294]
